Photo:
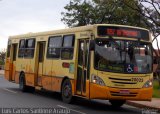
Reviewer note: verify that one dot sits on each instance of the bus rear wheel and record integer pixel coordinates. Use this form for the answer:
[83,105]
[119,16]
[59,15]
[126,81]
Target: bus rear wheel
[66,91]
[117,103]
[22,85]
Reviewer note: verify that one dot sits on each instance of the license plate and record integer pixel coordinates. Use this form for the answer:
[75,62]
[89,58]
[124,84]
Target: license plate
[124,91]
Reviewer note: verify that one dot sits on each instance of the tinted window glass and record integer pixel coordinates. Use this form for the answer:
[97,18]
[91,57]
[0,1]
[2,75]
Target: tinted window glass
[30,43]
[68,41]
[29,50]
[67,49]
[8,50]
[55,42]
[54,47]
[22,43]
[67,53]
[26,48]
[21,50]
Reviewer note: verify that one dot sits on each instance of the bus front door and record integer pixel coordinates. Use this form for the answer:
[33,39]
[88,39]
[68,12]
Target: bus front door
[13,60]
[82,68]
[41,52]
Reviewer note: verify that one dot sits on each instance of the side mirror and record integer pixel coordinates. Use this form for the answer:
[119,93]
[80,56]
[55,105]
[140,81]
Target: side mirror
[92,45]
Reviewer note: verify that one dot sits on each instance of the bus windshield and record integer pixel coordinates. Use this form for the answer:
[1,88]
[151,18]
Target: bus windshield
[123,56]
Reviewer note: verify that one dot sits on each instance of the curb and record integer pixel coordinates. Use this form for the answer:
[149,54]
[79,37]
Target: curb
[143,106]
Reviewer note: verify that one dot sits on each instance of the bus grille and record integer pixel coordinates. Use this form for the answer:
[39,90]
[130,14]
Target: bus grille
[132,94]
[121,81]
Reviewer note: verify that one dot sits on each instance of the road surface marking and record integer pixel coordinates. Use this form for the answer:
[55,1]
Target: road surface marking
[71,109]
[9,90]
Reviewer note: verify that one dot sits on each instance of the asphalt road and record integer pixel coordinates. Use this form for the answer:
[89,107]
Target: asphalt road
[12,97]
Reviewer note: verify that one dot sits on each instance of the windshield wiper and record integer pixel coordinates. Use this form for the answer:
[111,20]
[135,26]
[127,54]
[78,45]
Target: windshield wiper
[119,47]
[112,40]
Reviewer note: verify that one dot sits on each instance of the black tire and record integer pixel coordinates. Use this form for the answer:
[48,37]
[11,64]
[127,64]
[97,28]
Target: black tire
[66,91]
[117,103]
[22,83]
[30,89]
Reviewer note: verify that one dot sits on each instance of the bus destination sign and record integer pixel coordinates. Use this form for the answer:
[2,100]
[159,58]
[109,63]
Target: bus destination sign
[123,32]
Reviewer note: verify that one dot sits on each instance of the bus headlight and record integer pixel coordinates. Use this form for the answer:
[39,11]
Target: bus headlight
[97,80]
[149,83]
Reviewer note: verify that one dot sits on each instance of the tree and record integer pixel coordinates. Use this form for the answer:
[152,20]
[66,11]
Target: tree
[150,9]
[78,14]
[116,12]
[2,56]
[83,12]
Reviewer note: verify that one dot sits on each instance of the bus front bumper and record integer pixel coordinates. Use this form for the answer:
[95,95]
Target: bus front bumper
[104,92]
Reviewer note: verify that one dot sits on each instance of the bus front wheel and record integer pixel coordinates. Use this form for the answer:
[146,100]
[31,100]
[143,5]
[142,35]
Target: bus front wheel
[66,91]
[117,103]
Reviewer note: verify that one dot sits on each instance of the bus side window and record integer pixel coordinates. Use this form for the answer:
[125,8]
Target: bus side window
[21,48]
[54,47]
[8,49]
[29,48]
[68,47]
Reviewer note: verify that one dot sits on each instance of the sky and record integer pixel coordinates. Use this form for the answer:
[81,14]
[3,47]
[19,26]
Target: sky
[24,16]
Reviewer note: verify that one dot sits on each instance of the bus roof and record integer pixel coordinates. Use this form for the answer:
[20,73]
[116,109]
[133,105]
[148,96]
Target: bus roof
[69,30]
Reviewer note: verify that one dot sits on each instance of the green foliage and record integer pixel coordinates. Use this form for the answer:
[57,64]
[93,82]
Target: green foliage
[78,13]
[2,56]
[1,62]
[85,12]
[156,89]
[150,11]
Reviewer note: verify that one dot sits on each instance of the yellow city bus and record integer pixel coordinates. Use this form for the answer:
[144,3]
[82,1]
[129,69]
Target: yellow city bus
[101,61]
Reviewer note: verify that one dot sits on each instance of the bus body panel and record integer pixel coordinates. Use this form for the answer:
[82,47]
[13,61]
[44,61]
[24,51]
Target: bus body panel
[103,92]
[8,68]
[13,70]
[17,77]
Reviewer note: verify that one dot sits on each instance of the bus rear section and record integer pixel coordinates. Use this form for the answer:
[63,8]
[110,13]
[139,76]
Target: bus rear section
[10,62]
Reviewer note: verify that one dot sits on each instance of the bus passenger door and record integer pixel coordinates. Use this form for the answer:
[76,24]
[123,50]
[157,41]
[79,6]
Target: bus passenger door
[41,52]
[81,87]
[13,59]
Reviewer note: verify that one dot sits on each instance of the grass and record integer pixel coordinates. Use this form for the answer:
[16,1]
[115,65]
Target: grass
[156,90]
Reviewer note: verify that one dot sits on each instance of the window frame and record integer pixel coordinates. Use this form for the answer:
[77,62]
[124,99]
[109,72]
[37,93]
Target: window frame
[24,48]
[48,56]
[68,47]
[8,49]
[19,48]
[32,48]
[73,40]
